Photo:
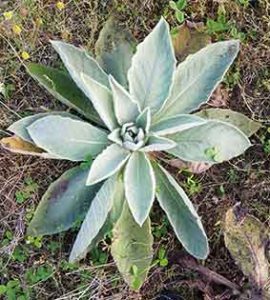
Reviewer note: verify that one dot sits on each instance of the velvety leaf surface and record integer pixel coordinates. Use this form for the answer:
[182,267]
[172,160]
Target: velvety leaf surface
[20,127]
[96,216]
[78,61]
[176,124]
[140,186]
[102,100]
[152,67]
[246,125]
[107,163]
[196,78]
[63,88]
[64,204]
[144,119]
[70,139]
[114,50]
[132,248]
[157,143]
[126,109]
[212,142]
[17,145]
[181,214]
[246,238]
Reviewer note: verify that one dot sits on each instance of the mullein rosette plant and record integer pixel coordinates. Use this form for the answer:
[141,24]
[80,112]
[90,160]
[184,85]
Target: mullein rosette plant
[133,104]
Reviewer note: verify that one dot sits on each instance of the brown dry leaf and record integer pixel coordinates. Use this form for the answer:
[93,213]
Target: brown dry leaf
[219,98]
[246,239]
[189,38]
[192,167]
[17,145]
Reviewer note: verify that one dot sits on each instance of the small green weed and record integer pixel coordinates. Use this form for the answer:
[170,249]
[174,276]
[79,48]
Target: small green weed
[41,273]
[30,187]
[178,8]
[192,185]
[161,259]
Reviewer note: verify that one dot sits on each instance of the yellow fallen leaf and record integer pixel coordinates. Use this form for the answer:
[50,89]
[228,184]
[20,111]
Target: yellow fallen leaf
[16,144]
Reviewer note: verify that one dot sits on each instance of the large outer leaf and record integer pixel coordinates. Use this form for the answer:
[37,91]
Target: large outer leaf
[107,163]
[197,77]
[176,124]
[62,87]
[20,127]
[132,248]
[64,204]
[17,145]
[77,61]
[114,50]
[246,238]
[150,75]
[102,100]
[96,216]
[140,185]
[246,125]
[70,139]
[126,109]
[212,142]
[181,214]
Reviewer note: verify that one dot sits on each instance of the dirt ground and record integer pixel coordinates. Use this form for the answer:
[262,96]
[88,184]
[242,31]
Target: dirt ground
[37,268]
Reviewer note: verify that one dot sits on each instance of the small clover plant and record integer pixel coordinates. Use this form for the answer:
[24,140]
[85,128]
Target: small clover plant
[131,105]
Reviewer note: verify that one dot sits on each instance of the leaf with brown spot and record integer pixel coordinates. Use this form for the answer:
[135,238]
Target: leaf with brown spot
[246,125]
[188,39]
[246,238]
[65,203]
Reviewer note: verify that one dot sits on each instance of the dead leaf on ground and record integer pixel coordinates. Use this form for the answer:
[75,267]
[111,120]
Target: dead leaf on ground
[246,239]
[188,39]
[219,98]
[192,167]
[17,145]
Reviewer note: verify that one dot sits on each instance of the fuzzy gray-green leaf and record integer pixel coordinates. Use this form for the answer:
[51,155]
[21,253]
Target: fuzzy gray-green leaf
[114,50]
[96,216]
[158,143]
[126,109]
[212,142]
[140,185]
[63,88]
[132,248]
[102,100]
[20,127]
[196,78]
[246,125]
[176,124]
[78,61]
[107,163]
[181,214]
[64,204]
[150,75]
[68,138]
